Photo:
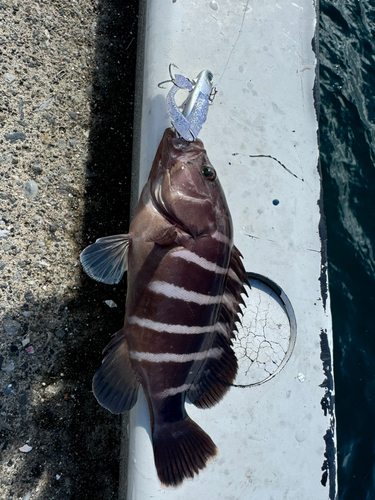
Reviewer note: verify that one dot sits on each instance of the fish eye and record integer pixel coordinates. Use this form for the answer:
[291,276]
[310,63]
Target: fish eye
[209,173]
[210,77]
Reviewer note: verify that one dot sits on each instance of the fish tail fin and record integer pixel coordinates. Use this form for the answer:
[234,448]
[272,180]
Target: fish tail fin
[181,450]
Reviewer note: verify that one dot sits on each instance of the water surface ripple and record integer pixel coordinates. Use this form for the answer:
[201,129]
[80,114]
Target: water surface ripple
[347,135]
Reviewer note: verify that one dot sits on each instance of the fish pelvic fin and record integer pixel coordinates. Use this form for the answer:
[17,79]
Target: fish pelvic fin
[106,260]
[181,450]
[115,385]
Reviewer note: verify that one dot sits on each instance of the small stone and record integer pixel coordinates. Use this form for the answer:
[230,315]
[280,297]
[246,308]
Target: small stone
[73,142]
[44,263]
[29,297]
[4,426]
[61,144]
[9,78]
[52,121]
[30,349]
[2,266]
[11,326]
[53,227]
[30,189]
[22,399]
[45,104]
[4,234]
[15,136]
[110,303]
[10,367]
[25,340]
[38,219]
[37,168]
[25,448]
[63,170]
[17,276]
[73,115]
[8,390]
[60,334]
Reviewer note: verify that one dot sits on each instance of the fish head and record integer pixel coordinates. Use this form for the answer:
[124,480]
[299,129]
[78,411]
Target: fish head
[186,190]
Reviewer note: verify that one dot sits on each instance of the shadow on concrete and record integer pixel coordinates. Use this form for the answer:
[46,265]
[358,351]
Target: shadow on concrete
[94,440]
[76,443]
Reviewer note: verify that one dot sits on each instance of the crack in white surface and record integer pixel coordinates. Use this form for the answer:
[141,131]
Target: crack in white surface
[272,158]
[263,338]
[235,43]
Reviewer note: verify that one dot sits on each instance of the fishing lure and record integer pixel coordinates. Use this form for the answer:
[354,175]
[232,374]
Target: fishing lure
[188,118]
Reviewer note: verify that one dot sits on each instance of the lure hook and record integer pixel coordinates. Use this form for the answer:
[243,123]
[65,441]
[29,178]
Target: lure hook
[171,75]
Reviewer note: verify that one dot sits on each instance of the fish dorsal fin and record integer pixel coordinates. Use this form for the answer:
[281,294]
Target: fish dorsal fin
[234,288]
[115,385]
[106,260]
[217,375]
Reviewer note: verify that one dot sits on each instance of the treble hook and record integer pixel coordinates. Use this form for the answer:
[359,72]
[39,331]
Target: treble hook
[171,75]
[173,79]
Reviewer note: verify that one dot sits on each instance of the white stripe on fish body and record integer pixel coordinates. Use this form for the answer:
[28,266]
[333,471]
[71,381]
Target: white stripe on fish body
[179,293]
[222,238]
[177,329]
[189,256]
[172,391]
[169,357]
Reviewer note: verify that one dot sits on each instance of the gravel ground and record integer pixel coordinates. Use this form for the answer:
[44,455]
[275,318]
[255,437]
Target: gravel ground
[66,111]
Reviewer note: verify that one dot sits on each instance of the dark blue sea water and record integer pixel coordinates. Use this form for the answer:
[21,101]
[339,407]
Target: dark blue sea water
[347,135]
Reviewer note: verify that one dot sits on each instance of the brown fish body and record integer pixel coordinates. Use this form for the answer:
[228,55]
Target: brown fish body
[185,279]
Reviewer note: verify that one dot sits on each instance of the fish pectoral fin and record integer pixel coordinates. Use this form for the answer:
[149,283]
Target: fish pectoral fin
[106,260]
[164,236]
[115,385]
[215,377]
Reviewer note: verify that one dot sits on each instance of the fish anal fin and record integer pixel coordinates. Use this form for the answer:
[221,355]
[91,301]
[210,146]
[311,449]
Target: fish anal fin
[106,260]
[181,450]
[115,385]
[215,377]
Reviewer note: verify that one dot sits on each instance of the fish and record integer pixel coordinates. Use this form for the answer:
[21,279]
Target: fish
[186,282]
